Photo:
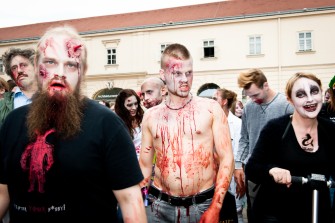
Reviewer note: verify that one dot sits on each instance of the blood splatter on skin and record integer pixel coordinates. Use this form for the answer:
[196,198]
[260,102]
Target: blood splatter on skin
[173,64]
[74,48]
[47,43]
[43,71]
[192,161]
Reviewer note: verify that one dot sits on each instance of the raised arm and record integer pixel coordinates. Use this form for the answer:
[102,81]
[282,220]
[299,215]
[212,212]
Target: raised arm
[147,150]
[222,141]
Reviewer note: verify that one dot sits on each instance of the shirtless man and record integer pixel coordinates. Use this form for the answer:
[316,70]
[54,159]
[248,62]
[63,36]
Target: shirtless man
[152,91]
[191,138]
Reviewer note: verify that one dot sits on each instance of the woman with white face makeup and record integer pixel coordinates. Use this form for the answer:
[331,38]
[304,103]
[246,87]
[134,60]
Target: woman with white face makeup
[128,107]
[294,145]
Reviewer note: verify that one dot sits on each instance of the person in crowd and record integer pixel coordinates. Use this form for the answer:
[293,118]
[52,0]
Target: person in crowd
[301,144]
[152,91]
[327,94]
[105,103]
[3,87]
[12,85]
[226,98]
[72,160]
[265,104]
[19,66]
[127,106]
[237,108]
[190,136]
[328,107]
[328,112]
[207,90]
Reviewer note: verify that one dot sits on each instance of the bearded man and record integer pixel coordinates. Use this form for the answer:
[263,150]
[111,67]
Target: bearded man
[65,158]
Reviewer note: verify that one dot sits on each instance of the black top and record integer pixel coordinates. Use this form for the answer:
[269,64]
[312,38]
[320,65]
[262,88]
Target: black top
[292,204]
[78,186]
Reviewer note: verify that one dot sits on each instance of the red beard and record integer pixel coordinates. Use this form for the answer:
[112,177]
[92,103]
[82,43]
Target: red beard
[60,112]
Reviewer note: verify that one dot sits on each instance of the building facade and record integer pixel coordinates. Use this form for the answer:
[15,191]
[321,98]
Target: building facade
[224,38]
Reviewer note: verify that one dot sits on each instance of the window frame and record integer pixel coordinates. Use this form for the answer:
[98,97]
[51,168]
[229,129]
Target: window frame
[255,47]
[111,56]
[207,45]
[305,43]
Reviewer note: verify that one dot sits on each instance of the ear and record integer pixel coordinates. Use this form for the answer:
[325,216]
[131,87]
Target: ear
[163,91]
[266,85]
[162,74]
[224,101]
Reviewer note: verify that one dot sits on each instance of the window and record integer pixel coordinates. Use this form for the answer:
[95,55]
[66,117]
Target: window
[111,45]
[305,41]
[209,48]
[163,46]
[1,66]
[255,46]
[111,56]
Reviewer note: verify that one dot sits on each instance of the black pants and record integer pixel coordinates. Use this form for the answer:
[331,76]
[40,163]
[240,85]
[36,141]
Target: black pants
[228,211]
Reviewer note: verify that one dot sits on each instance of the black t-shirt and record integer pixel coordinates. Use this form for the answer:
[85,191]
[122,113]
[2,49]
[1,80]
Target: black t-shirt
[78,186]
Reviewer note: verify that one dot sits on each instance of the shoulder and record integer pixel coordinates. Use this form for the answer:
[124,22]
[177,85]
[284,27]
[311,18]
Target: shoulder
[202,102]
[234,118]
[249,104]
[281,98]
[98,112]
[8,96]
[17,114]
[279,122]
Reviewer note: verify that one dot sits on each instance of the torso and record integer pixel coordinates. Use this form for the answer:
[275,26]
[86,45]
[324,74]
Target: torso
[183,141]
[308,142]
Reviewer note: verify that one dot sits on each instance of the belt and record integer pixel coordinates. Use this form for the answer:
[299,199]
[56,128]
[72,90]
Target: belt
[182,201]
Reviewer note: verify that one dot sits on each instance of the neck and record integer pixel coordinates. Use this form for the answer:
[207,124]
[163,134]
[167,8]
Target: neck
[177,103]
[271,95]
[29,91]
[306,123]
[226,111]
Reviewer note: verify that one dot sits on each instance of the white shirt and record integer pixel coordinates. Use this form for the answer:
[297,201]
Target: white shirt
[137,141]
[235,124]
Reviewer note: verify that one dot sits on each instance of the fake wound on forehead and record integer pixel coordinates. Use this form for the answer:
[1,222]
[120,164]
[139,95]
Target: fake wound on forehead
[173,64]
[74,47]
[47,43]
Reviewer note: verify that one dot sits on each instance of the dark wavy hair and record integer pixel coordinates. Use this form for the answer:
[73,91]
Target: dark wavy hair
[13,52]
[123,112]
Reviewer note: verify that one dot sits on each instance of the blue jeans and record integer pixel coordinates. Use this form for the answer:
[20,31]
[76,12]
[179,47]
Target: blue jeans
[161,211]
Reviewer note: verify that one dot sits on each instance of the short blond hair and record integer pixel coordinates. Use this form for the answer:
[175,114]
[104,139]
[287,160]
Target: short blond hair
[176,51]
[251,76]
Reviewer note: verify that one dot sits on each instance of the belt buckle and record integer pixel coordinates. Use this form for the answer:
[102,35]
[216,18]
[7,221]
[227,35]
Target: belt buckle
[169,199]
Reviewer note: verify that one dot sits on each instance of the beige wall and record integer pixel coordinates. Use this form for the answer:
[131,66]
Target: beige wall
[138,53]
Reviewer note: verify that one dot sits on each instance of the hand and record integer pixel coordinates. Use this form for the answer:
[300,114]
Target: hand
[211,215]
[281,176]
[240,183]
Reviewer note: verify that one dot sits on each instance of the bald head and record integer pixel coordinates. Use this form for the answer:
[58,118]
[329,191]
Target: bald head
[152,91]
